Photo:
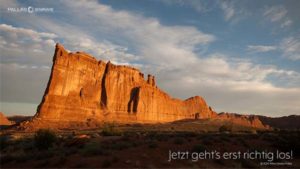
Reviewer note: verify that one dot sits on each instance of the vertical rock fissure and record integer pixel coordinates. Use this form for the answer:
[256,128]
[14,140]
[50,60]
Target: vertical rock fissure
[103,99]
[132,104]
[136,100]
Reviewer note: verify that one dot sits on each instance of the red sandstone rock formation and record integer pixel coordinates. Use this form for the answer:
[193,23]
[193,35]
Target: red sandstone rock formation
[243,120]
[82,89]
[4,121]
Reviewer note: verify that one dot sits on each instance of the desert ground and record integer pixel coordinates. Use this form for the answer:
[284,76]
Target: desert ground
[145,146]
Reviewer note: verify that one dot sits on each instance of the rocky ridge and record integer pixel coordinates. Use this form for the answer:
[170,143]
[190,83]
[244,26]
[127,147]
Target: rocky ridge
[291,122]
[84,91]
[243,120]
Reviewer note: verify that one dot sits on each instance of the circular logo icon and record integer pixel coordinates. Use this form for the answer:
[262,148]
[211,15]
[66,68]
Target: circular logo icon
[30,9]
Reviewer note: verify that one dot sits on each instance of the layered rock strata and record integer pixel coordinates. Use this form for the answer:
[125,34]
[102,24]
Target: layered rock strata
[242,120]
[83,89]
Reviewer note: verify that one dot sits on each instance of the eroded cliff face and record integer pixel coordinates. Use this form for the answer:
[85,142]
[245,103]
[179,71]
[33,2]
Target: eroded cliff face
[82,89]
[243,120]
[74,89]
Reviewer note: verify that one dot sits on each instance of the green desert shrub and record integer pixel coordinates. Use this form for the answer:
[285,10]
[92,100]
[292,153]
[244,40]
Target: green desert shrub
[42,155]
[44,139]
[93,149]
[110,129]
[178,140]
[25,143]
[209,141]
[152,145]
[23,157]
[106,164]
[60,160]
[70,150]
[225,137]
[225,128]
[120,145]
[6,158]
[152,135]
[248,164]
[3,142]
[198,148]
[162,137]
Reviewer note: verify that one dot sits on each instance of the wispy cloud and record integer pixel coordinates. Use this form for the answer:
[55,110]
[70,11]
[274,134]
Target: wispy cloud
[278,14]
[198,5]
[25,46]
[233,11]
[225,82]
[228,9]
[171,45]
[291,48]
[261,48]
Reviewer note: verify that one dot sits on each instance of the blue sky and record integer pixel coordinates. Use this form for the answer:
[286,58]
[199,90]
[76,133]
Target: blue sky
[241,56]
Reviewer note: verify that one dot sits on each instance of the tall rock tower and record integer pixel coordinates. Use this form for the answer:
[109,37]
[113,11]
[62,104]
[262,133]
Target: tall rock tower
[82,89]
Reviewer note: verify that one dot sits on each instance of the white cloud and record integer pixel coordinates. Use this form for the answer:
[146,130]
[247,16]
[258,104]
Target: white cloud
[198,5]
[291,48]
[286,23]
[36,36]
[233,11]
[261,48]
[25,46]
[234,86]
[228,9]
[170,45]
[278,14]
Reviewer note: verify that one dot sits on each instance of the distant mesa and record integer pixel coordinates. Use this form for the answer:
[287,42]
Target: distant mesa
[291,122]
[18,118]
[243,120]
[4,121]
[83,91]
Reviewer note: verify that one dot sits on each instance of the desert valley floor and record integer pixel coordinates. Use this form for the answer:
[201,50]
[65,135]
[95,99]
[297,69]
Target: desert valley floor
[147,146]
